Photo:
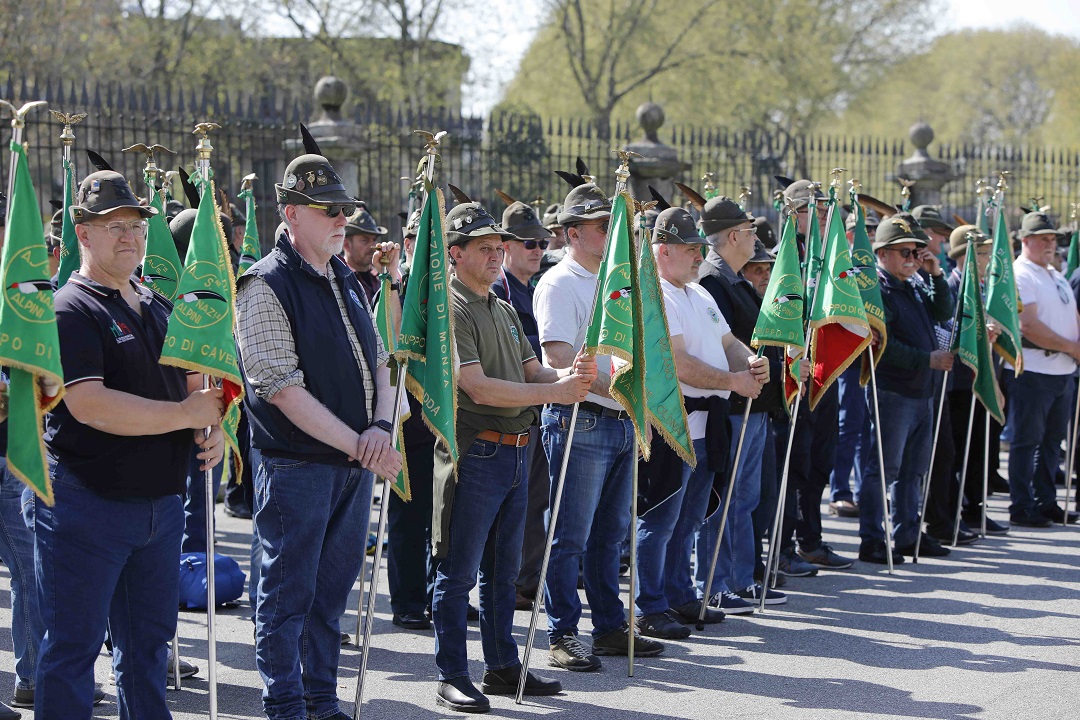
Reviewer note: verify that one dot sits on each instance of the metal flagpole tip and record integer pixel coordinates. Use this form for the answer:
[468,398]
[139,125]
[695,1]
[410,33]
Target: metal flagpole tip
[18,115]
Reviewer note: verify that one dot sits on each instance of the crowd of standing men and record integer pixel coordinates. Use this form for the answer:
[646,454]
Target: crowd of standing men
[128,441]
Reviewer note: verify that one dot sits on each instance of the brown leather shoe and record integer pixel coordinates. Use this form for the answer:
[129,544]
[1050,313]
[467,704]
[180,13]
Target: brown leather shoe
[844,508]
[521,602]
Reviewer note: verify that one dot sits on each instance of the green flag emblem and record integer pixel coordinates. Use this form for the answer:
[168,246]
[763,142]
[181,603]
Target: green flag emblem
[426,339]
[29,344]
[200,335]
[1002,303]
[161,264]
[973,347]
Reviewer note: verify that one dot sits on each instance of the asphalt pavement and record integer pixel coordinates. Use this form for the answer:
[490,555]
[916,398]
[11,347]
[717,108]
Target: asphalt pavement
[991,632]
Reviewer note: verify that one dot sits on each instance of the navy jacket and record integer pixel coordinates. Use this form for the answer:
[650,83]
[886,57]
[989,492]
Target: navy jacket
[910,316]
[322,345]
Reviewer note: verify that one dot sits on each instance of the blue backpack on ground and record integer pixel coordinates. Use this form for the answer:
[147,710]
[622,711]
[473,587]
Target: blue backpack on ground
[229,580]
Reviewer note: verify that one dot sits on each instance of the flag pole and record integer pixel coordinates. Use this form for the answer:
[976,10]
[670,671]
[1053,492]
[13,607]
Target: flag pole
[18,123]
[373,583]
[622,174]
[724,512]
[881,471]
[431,158]
[937,431]
[963,472]
[204,149]
[773,558]
[986,472]
[633,557]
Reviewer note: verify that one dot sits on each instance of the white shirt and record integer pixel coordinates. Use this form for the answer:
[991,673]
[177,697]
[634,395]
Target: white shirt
[562,305]
[692,313]
[1050,292]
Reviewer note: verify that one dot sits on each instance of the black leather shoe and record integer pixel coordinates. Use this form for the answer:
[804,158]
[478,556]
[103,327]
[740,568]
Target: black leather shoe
[505,682]
[874,552]
[1033,520]
[688,614]
[412,621]
[24,698]
[474,613]
[461,695]
[7,713]
[660,625]
[1054,513]
[929,547]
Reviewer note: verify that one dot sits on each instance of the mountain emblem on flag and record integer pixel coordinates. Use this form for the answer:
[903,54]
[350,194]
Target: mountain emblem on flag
[30,299]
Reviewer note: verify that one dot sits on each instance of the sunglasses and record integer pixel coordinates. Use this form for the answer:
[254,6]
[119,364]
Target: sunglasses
[905,252]
[533,244]
[334,210]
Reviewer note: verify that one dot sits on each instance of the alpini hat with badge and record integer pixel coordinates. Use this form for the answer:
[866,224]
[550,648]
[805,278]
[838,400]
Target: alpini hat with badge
[1037,223]
[311,180]
[102,192]
[470,220]
[929,217]
[894,230]
[675,226]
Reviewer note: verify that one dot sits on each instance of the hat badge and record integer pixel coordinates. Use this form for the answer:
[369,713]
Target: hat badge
[290,181]
[310,178]
[95,186]
[903,224]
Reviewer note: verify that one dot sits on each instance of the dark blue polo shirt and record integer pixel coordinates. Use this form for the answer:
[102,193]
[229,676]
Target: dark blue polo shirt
[102,338]
[521,297]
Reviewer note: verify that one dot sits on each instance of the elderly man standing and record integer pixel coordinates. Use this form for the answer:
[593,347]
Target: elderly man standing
[482,514]
[710,363]
[106,553]
[595,512]
[319,402]
[1039,398]
[905,384]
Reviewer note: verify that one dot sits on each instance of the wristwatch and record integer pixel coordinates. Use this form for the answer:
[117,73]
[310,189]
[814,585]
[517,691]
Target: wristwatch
[383,425]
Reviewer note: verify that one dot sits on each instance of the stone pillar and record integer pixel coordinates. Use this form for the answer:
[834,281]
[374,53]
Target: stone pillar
[340,140]
[659,165]
[927,174]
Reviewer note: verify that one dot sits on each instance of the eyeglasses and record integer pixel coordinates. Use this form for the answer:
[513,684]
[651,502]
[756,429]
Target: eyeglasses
[334,210]
[117,230]
[533,244]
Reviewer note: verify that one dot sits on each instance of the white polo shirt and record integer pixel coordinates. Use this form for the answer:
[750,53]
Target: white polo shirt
[562,305]
[692,313]
[1051,293]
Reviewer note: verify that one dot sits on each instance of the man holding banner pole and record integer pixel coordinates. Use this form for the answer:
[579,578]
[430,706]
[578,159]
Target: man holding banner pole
[118,447]
[319,402]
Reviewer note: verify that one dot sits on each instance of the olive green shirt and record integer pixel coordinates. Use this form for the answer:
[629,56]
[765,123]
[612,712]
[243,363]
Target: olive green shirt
[486,331]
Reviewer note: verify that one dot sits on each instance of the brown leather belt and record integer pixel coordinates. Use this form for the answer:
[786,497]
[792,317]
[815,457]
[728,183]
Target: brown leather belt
[504,438]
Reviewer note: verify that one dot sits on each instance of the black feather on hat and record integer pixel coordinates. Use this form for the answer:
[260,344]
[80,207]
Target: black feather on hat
[661,203]
[310,146]
[190,191]
[459,194]
[576,180]
[97,161]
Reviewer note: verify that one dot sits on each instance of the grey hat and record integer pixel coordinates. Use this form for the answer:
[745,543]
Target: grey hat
[722,213]
[800,192]
[583,203]
[311,180]
[412,224]
[470,220]
[896,229]
[962,235]
[361,221]
[761,254]
[520,219]
[870,221]
[102,192]
[551,216]
[676,226]
[1037,223]
[929,217]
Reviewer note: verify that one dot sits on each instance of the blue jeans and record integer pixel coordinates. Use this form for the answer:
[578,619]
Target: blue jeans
[1038,408]
[593,519]
[104,563]
[312,520]
[907,426]
[655,532]
[17,552]
[853,440]
[679,586]
[195,503]
[255,568]
[486,526]
[735,566]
